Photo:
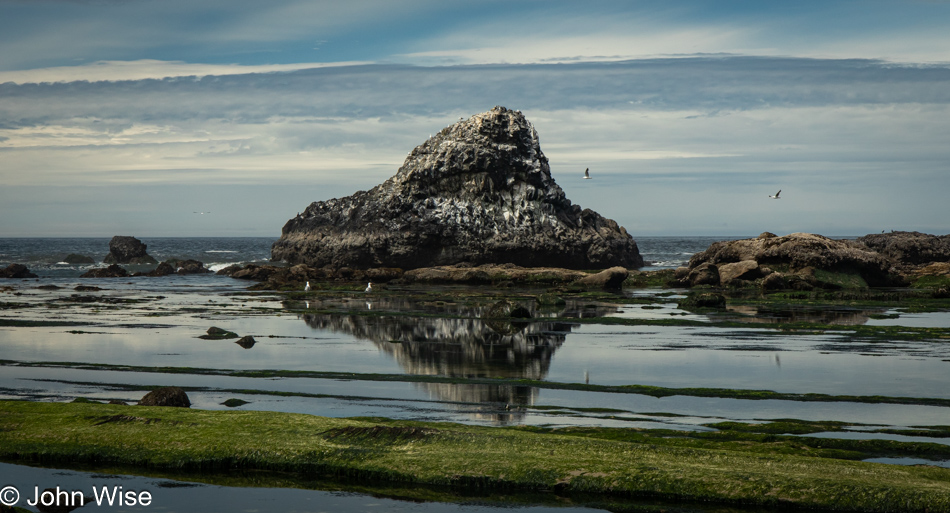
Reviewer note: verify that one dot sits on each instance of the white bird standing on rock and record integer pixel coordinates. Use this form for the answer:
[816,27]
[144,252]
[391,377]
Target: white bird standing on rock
[776,194]
[587,174]
[306,287]
[369,287]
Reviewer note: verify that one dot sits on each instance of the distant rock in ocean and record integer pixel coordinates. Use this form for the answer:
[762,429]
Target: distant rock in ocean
[127,250]
[480,191]
[16,271]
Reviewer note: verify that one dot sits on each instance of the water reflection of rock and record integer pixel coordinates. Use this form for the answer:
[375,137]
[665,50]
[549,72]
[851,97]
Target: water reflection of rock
[836,316]
[458,343]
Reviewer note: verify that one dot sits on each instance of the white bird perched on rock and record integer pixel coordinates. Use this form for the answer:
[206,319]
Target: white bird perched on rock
[306,287]
[369,287]
[776,194]
[587,174]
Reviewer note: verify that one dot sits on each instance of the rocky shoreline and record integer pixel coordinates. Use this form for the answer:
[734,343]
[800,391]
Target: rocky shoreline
[797,261]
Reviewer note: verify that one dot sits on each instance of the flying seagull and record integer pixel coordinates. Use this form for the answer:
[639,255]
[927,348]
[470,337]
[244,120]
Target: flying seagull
[587,174]
[202,213]
[776,194]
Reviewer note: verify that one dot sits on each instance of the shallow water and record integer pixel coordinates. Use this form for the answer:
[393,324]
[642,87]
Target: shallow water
[161,326]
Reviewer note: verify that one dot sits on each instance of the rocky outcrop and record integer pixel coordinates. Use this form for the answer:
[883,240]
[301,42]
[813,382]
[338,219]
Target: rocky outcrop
[796,257]
[909,248]
[127,250]
[16,271]
[480,191]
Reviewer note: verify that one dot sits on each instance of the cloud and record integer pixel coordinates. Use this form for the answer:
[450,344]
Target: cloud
[668,140]
[142,69]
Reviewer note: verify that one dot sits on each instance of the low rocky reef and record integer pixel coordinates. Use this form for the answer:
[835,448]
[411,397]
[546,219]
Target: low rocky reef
[805,261]
[274,277]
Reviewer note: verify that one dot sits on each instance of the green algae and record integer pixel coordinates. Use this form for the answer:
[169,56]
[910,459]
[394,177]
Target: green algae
[455,456]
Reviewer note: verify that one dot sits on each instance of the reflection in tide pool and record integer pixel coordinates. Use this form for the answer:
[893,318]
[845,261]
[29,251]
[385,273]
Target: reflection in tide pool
[464,345]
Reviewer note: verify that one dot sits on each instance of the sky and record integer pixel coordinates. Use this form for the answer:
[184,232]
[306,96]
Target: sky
[132,117]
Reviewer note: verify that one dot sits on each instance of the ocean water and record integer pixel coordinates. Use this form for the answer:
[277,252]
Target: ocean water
[45,256]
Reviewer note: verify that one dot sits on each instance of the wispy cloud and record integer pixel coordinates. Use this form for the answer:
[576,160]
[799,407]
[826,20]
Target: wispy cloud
[142,69]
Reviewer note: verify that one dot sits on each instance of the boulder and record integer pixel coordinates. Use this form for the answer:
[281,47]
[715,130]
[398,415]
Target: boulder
[703,274]
[127,250]
[738,271]
[113,271]
[608,279]
[166,396]
[479,191]
[16,271]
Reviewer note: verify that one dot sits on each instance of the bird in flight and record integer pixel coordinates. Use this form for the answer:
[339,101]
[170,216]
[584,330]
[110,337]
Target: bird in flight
[776,194]
[587,174]
[202,213]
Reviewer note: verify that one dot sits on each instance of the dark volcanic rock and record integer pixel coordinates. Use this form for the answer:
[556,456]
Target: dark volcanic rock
[909,248]
[74,258]
[16,271]
[127,250]
[166,396]
[113,271]
[480,191]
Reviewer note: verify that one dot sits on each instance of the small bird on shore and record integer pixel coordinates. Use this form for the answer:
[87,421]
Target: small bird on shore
[306,287]
[776,194]
[587,174]
[369,287]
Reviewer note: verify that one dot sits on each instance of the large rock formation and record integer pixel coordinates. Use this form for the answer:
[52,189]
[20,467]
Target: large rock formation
[480,191]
